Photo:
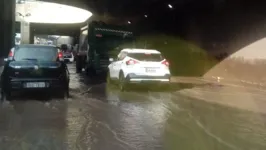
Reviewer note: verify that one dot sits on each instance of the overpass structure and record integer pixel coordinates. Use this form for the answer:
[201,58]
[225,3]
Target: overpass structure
[38,17]
[31,17]
[229,30]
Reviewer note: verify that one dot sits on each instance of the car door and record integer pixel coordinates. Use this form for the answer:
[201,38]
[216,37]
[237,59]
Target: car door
[111,68]
[118,64]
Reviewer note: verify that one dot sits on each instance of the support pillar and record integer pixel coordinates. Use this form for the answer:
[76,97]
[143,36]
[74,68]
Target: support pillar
[7,27]
[32,34]
[25,32]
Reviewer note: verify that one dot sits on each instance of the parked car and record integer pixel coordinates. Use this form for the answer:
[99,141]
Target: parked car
[68,56]
[139,66]
[34,67]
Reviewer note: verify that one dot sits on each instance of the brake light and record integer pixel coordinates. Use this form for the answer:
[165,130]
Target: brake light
[166,63]
[131,62]
[60,54]
[11,54]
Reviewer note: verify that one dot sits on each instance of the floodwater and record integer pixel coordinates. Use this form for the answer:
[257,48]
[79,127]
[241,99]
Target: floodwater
[97,117]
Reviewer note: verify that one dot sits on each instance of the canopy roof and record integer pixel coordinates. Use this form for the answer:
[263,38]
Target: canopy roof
[46,12]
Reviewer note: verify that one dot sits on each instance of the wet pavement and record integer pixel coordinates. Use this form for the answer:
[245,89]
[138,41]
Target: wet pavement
[97,117]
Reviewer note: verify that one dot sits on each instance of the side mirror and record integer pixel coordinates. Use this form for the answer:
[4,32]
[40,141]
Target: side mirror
[111,59]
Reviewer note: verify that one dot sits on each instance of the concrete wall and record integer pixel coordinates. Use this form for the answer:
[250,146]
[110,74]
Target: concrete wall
[7,27]
[64,40]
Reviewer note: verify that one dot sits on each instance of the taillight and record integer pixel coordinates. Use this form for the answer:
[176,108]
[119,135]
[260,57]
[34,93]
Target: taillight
[131,62]
[11,54]
[165,62]
[60,54]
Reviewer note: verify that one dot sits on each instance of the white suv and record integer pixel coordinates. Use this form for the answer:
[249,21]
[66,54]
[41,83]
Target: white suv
[68,56]
[138,66]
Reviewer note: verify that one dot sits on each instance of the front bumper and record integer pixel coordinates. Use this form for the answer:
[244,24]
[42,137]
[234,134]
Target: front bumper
[133,78]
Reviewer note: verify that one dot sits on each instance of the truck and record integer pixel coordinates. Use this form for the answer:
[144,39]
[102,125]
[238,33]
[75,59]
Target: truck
[97,42]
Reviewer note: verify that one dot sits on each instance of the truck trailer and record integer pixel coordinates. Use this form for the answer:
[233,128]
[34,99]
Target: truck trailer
[97,42]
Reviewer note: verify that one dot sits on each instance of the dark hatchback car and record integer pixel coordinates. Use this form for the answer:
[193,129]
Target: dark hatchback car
[35,67]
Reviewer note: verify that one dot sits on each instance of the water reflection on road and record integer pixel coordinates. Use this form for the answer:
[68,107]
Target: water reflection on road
[103,118]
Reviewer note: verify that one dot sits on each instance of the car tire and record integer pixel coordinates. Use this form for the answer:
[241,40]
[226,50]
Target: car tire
[78,65]
[91,72]
[122,82]
[6,96]
[109,81]
[64,94]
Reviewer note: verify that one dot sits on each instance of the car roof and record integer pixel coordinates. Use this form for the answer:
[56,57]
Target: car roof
[35,45]
[141,51]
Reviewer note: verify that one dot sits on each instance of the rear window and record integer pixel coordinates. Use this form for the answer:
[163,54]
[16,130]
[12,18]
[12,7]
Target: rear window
[146,57]
[36,53]
[64,47]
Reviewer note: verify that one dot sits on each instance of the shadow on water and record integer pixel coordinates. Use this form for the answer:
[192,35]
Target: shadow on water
[172,87]
[33,95]
[102,91]
[165,88]
[92,80]
[34,121]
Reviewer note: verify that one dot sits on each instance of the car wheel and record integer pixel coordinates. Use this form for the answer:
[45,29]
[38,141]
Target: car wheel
[65,93]
[91,72]
[122,83]
[78,70]
[78,66]
[5,96]
[108,78]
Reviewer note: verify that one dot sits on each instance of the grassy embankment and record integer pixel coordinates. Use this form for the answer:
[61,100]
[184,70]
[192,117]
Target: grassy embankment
[185,58]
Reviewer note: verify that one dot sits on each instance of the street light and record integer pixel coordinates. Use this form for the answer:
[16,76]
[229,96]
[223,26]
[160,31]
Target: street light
[129,22]
[146,16]
[170,6]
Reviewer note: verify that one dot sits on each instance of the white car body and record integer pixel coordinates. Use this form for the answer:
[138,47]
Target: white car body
[132,65]
[68,56]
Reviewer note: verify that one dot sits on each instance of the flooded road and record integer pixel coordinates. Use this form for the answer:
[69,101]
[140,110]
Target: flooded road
[101,118]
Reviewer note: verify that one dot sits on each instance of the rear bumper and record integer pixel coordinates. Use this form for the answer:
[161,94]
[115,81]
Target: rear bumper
[69,59]
[19,84]
[133,78]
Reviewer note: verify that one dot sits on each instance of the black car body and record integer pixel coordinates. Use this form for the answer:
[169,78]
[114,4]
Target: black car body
[35,67]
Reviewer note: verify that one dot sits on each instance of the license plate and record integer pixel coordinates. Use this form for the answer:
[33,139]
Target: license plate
[35,85]
[150,70]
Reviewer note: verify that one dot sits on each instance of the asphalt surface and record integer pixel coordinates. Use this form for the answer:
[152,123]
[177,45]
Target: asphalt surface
[99,117]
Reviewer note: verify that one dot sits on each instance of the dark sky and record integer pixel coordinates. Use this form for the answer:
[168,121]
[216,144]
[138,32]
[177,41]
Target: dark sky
[185,13]
[120,8]
[185,8]
[203,21]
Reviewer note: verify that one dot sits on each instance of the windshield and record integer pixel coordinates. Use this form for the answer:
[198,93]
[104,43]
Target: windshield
[146,57]
[36,53]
